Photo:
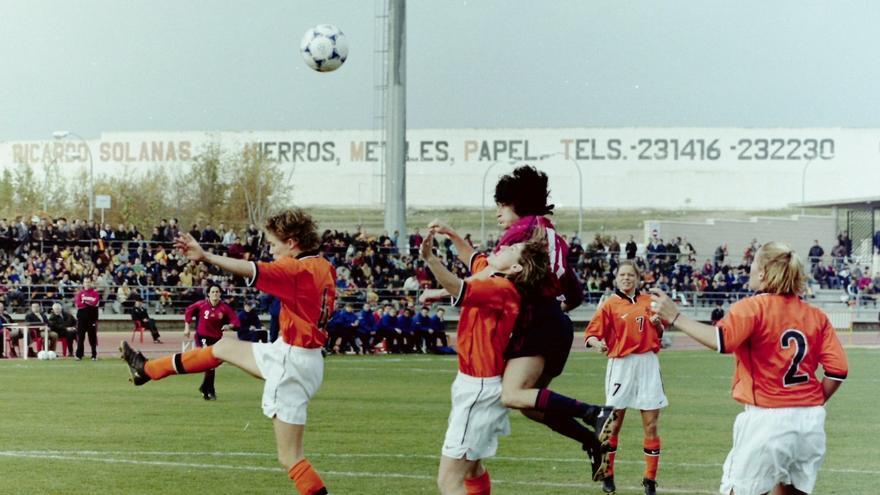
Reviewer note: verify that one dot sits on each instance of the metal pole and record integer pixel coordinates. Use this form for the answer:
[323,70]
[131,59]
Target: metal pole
[804,185]
[580,199]
[395,124]
[483,206]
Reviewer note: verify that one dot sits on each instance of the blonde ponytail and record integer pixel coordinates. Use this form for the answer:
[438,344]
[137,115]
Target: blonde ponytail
[783,270]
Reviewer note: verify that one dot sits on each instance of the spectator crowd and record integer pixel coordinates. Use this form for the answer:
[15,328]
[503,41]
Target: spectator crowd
[45,261]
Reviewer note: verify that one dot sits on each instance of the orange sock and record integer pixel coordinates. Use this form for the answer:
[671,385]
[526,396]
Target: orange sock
[194,361]
[306,479]
[652,457]
[612,453]
[479,485]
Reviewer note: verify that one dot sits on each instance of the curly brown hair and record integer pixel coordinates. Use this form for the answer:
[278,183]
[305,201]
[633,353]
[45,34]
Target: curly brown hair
[296,224]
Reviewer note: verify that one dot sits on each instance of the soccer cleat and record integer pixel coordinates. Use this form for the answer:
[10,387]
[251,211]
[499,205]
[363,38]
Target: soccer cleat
[598,459]
[604,425]
[650,486]
[608,485]
[136,362]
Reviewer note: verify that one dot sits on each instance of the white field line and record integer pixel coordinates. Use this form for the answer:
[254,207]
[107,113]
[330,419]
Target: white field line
[567,460]
[347,474]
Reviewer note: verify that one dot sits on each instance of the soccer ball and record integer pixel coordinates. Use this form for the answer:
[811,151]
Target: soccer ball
[324,48]
[51,355]
[43,355]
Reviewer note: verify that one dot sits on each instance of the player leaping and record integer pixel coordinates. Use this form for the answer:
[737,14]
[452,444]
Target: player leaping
[542,338]
[292,366]
[490,301]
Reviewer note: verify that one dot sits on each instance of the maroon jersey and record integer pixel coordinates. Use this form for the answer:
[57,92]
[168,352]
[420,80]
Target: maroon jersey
[87,298]
[211,318]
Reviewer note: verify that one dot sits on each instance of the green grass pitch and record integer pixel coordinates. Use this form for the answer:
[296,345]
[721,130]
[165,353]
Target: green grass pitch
[375,427]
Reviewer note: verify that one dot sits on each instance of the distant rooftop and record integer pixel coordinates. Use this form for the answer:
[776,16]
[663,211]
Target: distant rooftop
[851,203]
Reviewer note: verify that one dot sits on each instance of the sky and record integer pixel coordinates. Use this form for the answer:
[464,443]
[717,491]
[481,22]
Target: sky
[93,66]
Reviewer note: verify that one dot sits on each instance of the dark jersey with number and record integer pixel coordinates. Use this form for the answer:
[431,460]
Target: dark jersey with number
[211,318]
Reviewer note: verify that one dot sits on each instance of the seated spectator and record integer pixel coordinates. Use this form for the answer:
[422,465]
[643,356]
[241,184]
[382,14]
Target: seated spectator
[366,329]
[421,325]
[718,312]
[405,329]
[35,319]
[251,329]
[123,293]
[139,313]
[5,319]
[387,330]
[62,325]
[341,330]
[437,334]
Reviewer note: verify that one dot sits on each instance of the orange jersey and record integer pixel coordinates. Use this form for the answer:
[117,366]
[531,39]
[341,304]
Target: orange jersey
[306,286]
[624,324]
[489,308]
[779,342]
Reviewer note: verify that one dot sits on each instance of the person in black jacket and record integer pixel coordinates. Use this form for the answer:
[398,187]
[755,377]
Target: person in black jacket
[251,328]
[5,319]
[62,325]
[139,313]
[718,312]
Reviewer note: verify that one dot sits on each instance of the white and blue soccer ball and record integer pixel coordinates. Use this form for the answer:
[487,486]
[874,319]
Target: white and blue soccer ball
[47,355]
[324,48]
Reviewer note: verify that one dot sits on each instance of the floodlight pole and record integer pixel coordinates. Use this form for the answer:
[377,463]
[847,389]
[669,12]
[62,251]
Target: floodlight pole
[483,205]
[804,185]
[395,125]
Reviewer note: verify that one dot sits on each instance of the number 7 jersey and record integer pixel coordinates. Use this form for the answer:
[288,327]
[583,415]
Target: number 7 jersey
[779,341]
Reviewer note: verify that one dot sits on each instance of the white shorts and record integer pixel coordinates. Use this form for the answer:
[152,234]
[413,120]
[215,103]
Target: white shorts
[634,381]
[775,445]
[292,374]
[477,418]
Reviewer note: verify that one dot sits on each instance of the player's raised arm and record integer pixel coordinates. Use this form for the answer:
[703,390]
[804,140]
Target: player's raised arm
[464,250]
[668,311]
[190,248]
[445,278]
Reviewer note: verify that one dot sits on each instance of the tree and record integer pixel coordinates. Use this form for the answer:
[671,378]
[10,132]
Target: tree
[206,183]
[54,191]
[27,193]
[7,192]
[138,198]
[258,185]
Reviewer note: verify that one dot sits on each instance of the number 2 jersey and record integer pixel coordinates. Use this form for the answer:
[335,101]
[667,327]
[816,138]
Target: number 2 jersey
[211,318]
[779,341]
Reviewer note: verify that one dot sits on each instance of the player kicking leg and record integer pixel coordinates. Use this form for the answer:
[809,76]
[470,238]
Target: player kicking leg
[292,366]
